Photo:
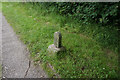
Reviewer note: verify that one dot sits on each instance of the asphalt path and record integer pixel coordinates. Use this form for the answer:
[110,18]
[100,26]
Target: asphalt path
[15,56]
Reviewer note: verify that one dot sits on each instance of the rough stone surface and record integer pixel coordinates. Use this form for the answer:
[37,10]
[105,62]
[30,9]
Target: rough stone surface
[57,46]
[53,49]
[57,39]
[16,63]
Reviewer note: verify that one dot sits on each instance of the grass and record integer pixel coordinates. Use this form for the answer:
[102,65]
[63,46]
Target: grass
[85,57]
[0,6]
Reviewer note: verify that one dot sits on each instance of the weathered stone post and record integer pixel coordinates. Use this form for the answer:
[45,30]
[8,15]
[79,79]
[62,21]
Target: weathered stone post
[57,46]
[57,39]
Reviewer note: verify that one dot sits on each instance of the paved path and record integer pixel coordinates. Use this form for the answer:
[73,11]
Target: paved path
[16,63]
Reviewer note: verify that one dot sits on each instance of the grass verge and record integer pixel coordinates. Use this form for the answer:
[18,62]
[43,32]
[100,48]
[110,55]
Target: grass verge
[0,6]
[84,56]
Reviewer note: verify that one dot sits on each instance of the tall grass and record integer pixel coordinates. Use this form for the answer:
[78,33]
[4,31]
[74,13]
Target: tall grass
[107,36]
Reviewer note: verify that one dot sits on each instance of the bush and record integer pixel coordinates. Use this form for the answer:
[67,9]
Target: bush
[104,13]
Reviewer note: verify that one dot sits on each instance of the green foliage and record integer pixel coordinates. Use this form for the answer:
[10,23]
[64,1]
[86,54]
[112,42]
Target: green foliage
[104,13]
[79,16]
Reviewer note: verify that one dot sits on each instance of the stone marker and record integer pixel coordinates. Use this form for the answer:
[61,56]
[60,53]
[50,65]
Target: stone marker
[57,39]
[57,46]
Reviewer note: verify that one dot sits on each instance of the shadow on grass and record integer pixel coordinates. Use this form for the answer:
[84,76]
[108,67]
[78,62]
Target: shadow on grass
[62,55]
